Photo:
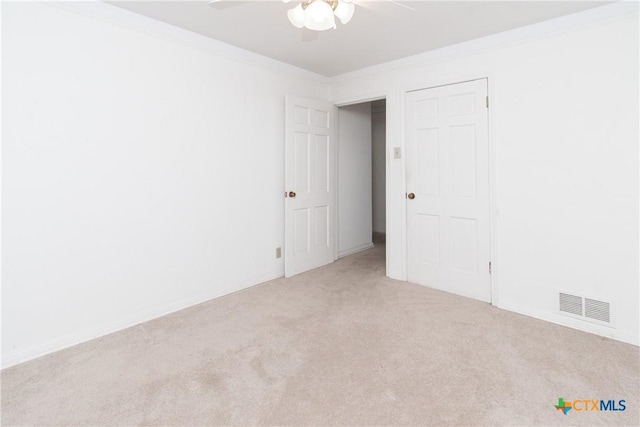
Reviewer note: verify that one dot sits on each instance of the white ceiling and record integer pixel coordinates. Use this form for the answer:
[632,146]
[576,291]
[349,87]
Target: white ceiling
[380,31]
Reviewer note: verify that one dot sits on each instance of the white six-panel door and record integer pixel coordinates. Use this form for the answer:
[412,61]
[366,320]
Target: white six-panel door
[310,185]
[448,218]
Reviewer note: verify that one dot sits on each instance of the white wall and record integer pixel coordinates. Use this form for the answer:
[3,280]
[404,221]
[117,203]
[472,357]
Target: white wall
[140,174]
[127,158]
[354,178]
[378,164]
[564,130]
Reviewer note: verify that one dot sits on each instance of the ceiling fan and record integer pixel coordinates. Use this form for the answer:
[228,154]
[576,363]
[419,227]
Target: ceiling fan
[317,15]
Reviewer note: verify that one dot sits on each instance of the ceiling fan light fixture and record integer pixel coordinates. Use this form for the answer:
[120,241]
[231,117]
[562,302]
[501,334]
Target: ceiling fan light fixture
[319,16]
[296,16]
[344,11]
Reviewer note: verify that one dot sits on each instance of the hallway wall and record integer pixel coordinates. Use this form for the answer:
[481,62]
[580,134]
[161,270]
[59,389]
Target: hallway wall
[378,164]
[354,179]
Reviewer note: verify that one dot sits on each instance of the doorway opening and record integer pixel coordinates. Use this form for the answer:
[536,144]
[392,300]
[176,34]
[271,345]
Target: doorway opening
[362,178]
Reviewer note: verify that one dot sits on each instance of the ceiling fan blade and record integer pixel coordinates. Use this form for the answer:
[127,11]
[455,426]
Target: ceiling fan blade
[397,3]
[224,4]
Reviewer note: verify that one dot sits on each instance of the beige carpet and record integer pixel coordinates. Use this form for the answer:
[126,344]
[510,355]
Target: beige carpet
[341,345]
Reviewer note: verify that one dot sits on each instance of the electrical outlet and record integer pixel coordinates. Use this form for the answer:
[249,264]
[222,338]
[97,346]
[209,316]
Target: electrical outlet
[278,252]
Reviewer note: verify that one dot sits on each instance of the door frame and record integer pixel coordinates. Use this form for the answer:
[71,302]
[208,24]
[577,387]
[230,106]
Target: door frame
[493,193]
[396,256]
[360,99]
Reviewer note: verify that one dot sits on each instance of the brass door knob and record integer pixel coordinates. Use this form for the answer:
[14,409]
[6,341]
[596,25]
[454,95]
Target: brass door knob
[292,194]
[411,196]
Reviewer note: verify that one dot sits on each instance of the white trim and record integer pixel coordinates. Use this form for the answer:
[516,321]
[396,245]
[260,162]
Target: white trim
[581,325]
[361,99]
[335,180]
[118,16]
[403,185]
[551,27]
[355,250]
[36,351]
[391,234]
[131,20]
[493,193]
[1,186]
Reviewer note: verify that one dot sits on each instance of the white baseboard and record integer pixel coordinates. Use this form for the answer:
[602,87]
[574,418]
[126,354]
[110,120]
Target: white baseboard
[558,319]
[351,251]
[13,358]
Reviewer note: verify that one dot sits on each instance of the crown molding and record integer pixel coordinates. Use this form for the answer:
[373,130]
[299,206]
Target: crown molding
[575,21]
[115,15]
[134,21]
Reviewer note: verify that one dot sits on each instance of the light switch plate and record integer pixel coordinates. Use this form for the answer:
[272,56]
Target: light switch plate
[397,153]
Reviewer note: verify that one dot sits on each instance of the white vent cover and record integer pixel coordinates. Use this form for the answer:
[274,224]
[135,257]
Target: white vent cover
[597,310]
[571,304]
[585,308]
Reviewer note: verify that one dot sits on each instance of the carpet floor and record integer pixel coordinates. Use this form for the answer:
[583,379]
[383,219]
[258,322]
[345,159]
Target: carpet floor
[340,345]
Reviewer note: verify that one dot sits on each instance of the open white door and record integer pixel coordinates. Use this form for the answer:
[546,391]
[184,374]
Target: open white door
[448,209]
[310,204]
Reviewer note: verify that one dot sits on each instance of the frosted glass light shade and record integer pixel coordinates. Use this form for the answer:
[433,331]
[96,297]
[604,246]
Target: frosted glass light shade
[296,16]
[318,16]
[344,11]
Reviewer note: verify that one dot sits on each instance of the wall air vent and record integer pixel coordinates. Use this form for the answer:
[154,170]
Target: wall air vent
[597,310]
[584,308]
[571,304]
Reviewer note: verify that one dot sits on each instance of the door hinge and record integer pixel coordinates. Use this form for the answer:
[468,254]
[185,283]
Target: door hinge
[489,267]
[487,100]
